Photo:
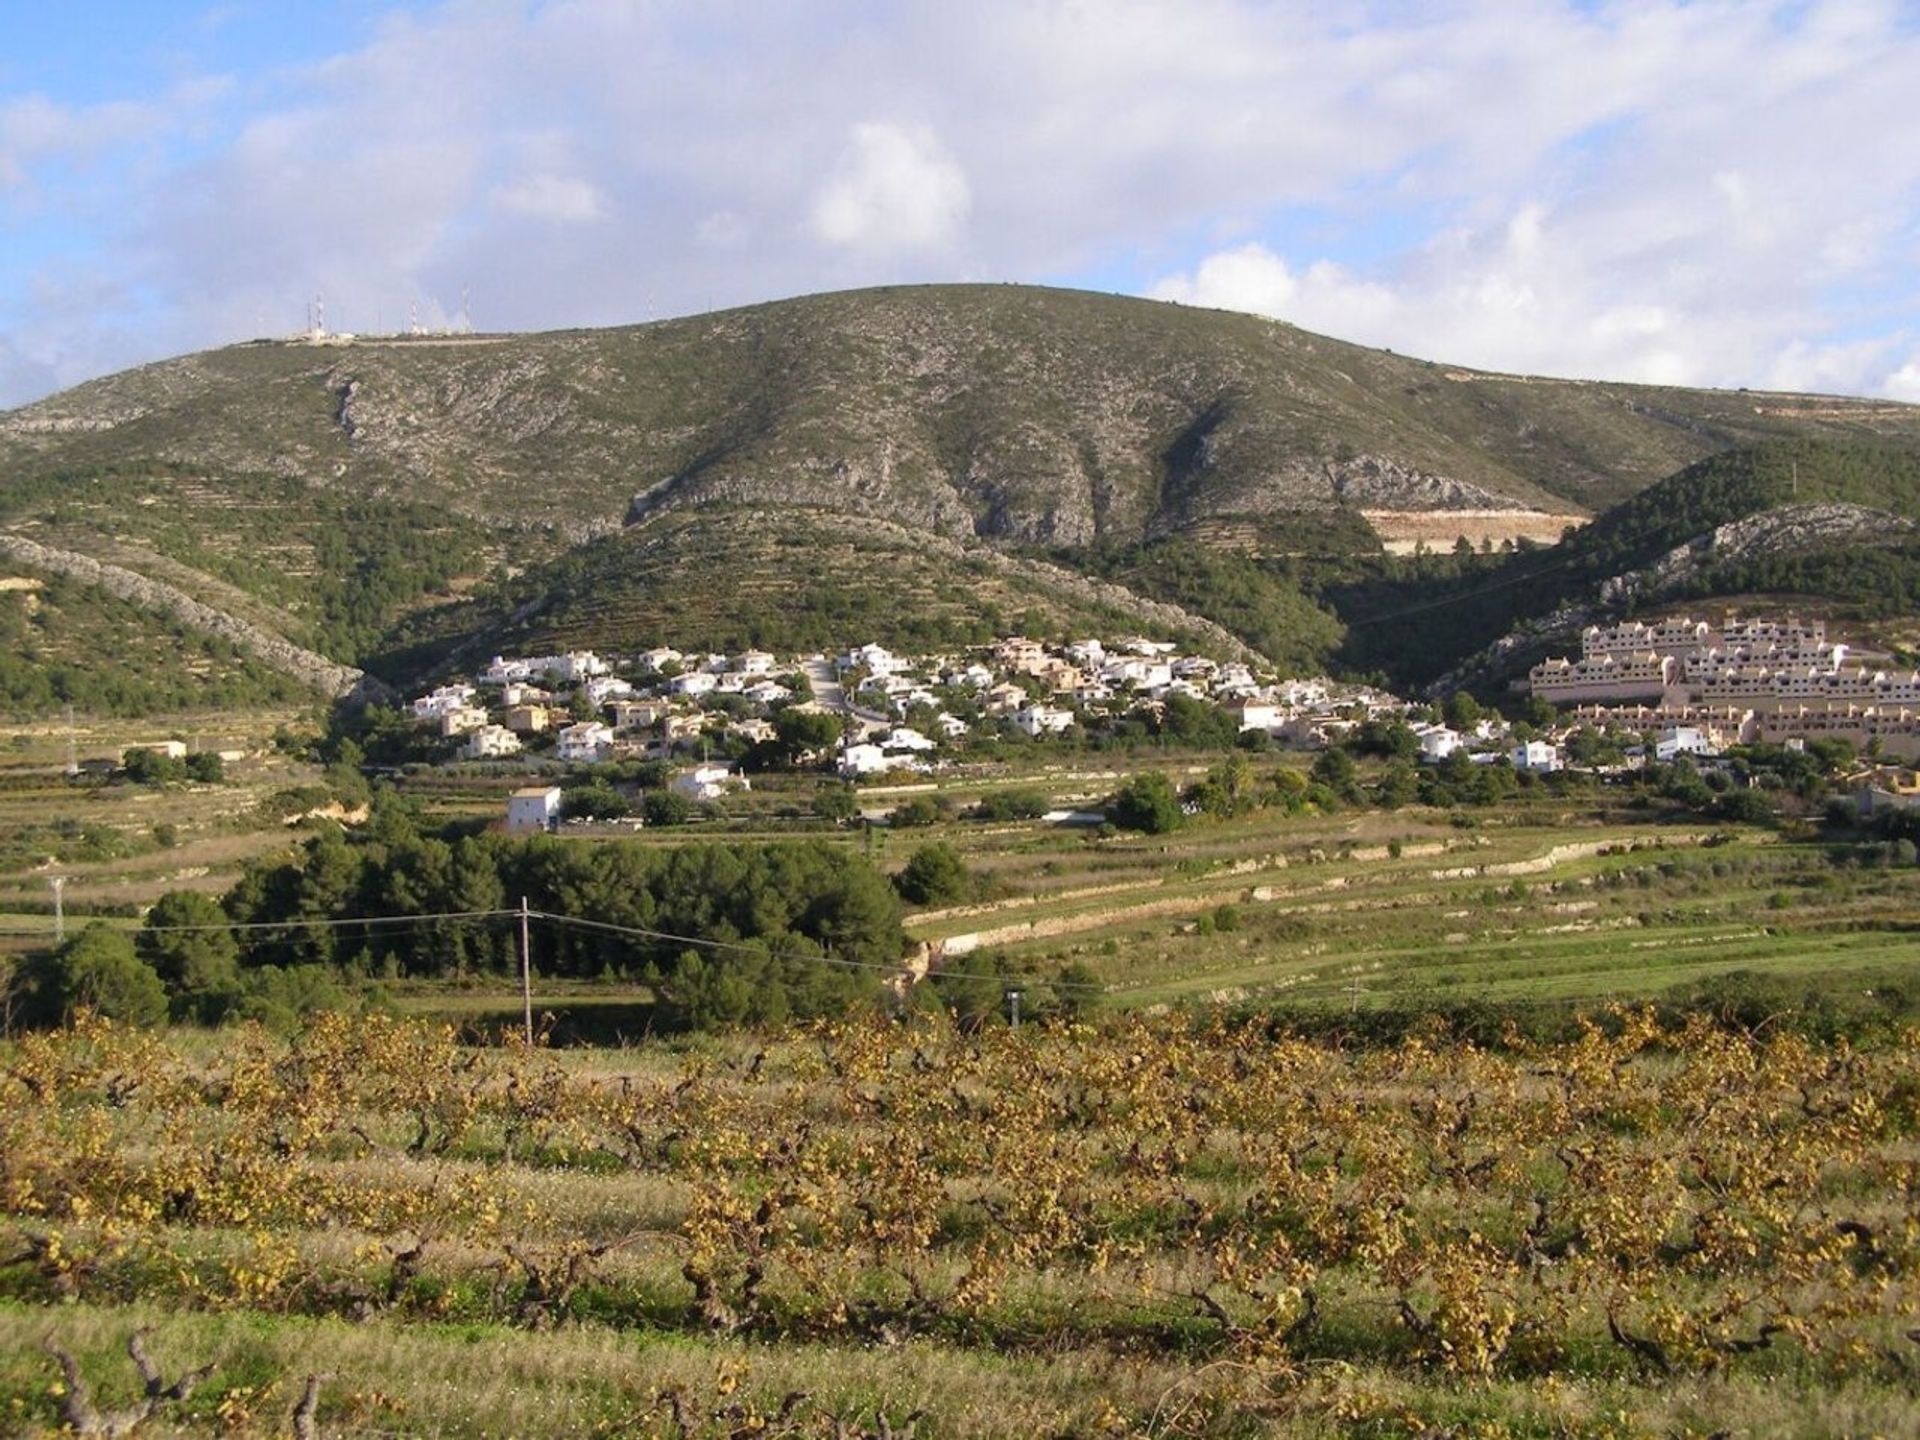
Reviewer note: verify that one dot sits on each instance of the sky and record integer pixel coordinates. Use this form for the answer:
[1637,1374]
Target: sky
[1718,192]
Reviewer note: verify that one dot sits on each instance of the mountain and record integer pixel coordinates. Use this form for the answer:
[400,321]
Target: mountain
[773,470]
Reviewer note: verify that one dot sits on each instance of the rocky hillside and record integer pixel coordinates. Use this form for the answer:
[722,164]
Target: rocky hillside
[1013,413]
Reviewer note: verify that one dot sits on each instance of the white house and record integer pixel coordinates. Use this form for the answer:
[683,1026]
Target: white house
[767,692]
[1541,755]
[1255,714]
[501,671]
[905,737]
[753,662]
[1437,742]
[490,742]
[695,682]
[951,726]
[1039,720]
[531,808]
[974,677]
[660,657]
[1682,740]
[576,665]
[707,782]
[586,742]
[603,688]
[437,703]
[857,760]
[876,659]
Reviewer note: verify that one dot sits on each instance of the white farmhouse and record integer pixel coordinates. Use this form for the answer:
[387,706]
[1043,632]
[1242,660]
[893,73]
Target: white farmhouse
[1437,742]
[533,808]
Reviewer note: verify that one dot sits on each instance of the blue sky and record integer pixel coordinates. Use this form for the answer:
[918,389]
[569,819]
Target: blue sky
[1713,192]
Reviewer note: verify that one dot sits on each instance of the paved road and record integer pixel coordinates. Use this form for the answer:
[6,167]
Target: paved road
[828,691]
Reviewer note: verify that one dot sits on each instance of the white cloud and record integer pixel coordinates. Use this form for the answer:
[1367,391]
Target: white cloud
[1716,191]
[1904,383]
[894,188]
[563,199]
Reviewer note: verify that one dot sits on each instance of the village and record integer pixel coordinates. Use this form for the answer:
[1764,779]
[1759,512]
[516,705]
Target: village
[1745,682]
[1678,688]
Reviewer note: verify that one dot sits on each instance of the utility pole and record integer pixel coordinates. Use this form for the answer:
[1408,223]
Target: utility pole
[526,972]
[59,883]
[1013,1008]
[1353,996]
[73,755]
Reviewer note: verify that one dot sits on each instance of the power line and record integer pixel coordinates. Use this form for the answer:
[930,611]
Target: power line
[580,922]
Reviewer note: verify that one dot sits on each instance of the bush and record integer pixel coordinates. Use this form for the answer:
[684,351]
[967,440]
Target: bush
[1012,805]
[667,807]
[921,810]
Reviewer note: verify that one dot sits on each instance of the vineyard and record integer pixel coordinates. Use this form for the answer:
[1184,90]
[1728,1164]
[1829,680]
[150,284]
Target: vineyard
[1154,1226]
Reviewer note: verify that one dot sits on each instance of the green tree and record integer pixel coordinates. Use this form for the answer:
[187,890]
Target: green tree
[150,767]
[934,875]
[1463,711]
[836,801]
[98,968]
[188,944]
[1146,803]
[666,807]
[207,767]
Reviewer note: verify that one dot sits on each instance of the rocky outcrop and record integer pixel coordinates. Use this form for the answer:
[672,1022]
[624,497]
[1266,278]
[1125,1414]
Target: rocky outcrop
[1786,528]
[331,677]
[1373,482]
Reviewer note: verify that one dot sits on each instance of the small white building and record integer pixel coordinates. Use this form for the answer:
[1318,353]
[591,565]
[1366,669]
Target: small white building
[587,742]
[533,808]
[753,662]
[491,742]
[1538,755]
[695,683]
[905,737]
[1437,742]
[660,657]
[951,726]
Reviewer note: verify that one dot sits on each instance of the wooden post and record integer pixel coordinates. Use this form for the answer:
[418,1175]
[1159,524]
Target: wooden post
[526,971]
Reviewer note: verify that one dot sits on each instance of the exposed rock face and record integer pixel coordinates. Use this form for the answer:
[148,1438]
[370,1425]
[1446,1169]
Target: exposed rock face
[1373,482]
[1788,527]
[337,680]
